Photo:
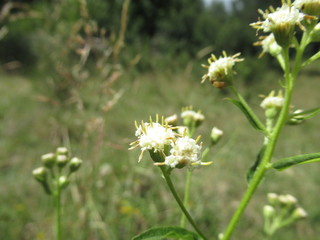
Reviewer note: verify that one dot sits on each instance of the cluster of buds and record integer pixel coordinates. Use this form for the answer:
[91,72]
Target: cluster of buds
[220,70]
[281,23]
[172,145]
[281,211]
[50,175]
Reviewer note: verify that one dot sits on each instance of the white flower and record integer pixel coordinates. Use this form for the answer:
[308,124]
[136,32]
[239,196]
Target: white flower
[299,213]
[152,136]
[272,101]
[215,135]
[196,116]
[184,151]
[220,69]
[287,199]
[286,15]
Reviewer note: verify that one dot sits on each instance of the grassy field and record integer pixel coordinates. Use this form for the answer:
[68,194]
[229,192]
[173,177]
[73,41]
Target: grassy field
[114,196]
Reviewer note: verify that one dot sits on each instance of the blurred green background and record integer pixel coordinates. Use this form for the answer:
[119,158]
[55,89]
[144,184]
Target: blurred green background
[77,73]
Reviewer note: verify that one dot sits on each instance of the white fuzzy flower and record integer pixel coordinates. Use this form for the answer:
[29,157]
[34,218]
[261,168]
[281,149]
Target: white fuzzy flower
[154,136]
[220,69]
[286,15]
[272,102]
[184,151]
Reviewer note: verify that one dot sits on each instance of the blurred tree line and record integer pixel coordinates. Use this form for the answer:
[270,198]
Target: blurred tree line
[156,28]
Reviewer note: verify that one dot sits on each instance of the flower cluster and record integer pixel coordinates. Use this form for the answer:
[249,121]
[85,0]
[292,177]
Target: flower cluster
[281,211]
[54,163]
[281,22]
[166,146]
[220,70]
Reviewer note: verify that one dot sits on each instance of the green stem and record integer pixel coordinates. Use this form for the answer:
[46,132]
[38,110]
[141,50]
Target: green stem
[186,197]
[58,208]
[180,203]
[268,152]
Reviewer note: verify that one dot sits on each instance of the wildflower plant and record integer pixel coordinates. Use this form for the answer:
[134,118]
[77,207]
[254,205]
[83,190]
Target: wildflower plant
[54,176]
[286,32]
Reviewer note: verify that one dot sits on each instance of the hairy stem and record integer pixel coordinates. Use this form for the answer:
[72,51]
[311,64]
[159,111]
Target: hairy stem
[268,152]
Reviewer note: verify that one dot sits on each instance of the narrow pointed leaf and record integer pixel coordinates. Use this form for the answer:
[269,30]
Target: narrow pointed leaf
[299,159]
[254,123]
[161,233]
[299,117]
[255,165]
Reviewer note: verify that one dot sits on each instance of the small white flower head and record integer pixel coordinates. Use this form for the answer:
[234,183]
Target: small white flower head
[62,160]
[309,7]
[281,22]
[75,164]
[268,211]
[185,152]
[62,151]
[40,174]
[287,199]
[153,136]
[215,135]
[172,120]
[269,45]
[273,198]
[299,213]
[48,160]
[272,101]
[191,118]
[63,182]
[220,70]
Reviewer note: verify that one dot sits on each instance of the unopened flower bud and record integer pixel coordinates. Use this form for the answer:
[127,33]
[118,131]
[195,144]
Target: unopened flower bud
[172,120]
[299,213]
[273,198]
[62,151]
[62,160]
[48,160]
[287,199]
[309,7]
[216,135]
[268,211]
[272,101]
[192,118]
[63,182]
[75,164]
[40,174]
[315,34]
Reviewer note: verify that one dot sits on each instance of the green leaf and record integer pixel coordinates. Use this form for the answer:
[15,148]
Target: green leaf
[254,123]
[162,233]
[299,159]
[255,165]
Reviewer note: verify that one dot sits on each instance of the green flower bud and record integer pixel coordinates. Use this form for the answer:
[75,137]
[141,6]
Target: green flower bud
[309,7]
[62,160]
[172,120]
[216,135]
[74,164]
[315,34]
[40,174]
[299,213]
[287,199]
[268,211]
[63,182]
[48,160]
